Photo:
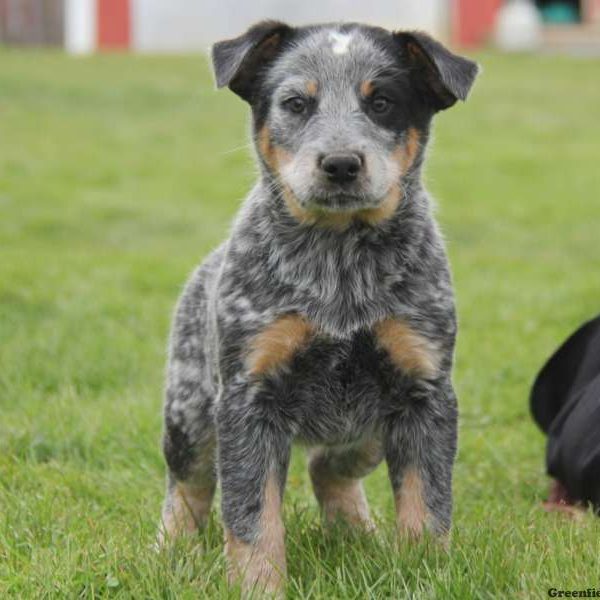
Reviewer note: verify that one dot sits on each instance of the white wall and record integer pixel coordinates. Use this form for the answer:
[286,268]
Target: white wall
[80,26]
[169,25]
[180,25]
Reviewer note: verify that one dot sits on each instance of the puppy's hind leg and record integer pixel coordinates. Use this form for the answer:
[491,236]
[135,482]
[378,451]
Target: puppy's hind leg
[191,484]
[189,434]
[336,475]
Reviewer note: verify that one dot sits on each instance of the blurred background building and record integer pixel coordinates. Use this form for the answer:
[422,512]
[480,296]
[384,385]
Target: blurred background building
[186,25]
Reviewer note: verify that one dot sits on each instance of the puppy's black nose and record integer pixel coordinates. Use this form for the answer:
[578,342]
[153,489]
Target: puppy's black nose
[341,168]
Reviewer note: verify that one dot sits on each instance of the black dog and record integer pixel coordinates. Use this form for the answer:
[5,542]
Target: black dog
[565,402]
[328,316]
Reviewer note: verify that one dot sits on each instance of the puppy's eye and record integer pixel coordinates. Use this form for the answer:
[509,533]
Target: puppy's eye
[296,105]
[380,104]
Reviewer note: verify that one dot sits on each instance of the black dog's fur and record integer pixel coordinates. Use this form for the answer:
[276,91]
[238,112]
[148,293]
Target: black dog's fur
[565,402]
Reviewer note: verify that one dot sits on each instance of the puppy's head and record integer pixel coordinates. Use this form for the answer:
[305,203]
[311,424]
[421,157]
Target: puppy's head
[341,112]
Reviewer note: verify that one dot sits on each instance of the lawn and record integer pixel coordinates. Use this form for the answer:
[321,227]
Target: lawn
[118,174]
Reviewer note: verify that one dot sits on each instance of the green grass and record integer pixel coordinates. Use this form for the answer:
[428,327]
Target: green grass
[117,174]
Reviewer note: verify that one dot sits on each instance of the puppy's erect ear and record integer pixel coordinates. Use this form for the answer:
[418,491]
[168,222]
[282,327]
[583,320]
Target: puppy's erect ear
[447,76]
[237,62]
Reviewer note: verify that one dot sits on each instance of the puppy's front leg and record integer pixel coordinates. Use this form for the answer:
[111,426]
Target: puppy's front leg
[253,462]
[420,446]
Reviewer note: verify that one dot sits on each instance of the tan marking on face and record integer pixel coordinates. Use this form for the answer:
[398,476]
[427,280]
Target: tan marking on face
[187,508]
[366,88]
[407,349]
[412,147]
[335,220]
[276,345]
[265,148]
[261,565]
[342,220]
[385,210]
[274,156]
[411,512]
[405,153]
[294,207]
[339,221]
[312,88]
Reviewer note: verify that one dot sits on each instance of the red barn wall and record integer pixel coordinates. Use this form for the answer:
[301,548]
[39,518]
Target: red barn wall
[114,24]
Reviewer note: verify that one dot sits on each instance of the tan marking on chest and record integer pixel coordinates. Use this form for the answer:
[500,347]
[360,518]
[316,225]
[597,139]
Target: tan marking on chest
[411,511]
[407,349]
[275,346]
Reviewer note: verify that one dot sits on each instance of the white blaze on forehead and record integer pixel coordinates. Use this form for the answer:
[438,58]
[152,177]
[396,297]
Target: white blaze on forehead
[339,42]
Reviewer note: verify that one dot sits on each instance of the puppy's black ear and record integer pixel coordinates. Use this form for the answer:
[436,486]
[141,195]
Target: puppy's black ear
[237,62]
[447,76]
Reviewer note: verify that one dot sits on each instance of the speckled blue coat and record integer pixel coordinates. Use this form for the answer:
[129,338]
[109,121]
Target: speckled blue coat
[327,318]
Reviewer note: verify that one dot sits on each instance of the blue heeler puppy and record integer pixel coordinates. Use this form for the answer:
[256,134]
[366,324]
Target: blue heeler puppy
[327,318]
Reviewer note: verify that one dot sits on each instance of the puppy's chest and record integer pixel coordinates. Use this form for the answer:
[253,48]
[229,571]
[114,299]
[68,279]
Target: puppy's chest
[342,287]
[338,363]
[336,388]
[293,344]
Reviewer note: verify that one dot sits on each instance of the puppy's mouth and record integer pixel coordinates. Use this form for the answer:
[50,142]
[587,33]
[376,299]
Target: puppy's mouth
[342,207]
[341,201]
